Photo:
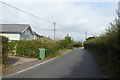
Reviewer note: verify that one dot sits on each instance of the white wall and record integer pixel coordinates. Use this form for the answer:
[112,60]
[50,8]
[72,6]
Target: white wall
[11,36]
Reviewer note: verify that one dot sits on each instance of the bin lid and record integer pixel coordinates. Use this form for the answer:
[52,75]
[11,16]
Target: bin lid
[42,49]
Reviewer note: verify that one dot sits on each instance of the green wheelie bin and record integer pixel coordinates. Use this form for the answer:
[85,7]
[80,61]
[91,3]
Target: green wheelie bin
[42,53]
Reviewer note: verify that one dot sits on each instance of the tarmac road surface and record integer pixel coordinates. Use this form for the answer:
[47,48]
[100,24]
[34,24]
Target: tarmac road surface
[78,63]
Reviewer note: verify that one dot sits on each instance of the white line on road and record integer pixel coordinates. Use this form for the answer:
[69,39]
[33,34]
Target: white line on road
[29,68]
[32,66]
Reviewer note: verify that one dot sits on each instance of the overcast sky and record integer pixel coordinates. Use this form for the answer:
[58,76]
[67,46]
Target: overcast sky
[72,17]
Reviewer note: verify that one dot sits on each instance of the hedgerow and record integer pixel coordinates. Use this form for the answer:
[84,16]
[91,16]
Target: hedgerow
[30,48]
[3,49]
[106,48]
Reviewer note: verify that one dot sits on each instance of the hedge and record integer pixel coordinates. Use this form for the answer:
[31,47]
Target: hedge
[77,44]
[66,43]
[106,48]
[29,48]
[4,49]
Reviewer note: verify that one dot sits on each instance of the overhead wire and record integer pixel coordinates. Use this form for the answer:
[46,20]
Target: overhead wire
[26,12]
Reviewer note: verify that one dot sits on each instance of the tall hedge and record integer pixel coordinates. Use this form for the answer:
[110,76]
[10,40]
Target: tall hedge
[4,49]
[107,49]
[29,48]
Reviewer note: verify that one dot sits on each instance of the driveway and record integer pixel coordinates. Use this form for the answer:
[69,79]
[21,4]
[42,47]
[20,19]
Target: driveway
[19,60]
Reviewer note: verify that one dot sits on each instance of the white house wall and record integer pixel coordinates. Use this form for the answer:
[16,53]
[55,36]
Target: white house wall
[11,36]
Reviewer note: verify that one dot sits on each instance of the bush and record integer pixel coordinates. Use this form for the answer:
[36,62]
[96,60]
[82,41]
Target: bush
[66,43]
[77,44]
[51,47]
[4,49]
[29,48]
[107,50]
[12,47]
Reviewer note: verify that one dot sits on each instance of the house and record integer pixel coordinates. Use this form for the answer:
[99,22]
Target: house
[40,37]
[36,36]
[45,38]
[16,31]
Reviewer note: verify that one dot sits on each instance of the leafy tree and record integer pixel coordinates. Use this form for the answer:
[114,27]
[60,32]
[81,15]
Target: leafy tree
[67,42]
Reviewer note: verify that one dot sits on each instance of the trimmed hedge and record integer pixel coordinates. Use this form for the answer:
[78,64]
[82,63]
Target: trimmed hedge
[29,48]
[106,48]
[4,49]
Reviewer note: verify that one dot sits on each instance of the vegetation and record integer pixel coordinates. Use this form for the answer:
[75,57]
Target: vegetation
[66,43]
[106,49]
[29,48]
[77,44]
[3,49]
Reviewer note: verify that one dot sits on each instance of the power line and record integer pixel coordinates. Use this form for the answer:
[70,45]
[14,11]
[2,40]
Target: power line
[11,22]
[31,15]
[26,12]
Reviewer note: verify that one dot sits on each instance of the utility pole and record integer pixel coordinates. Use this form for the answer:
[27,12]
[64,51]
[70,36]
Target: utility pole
[54,30]
[85,35]
[60,37]
[119,10]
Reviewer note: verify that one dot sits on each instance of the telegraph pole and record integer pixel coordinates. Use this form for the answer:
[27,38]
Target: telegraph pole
[85,35]
[60,37]
[119,10]
[54,30]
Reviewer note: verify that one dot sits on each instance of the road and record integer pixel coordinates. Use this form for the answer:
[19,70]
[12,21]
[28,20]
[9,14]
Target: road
[78,63]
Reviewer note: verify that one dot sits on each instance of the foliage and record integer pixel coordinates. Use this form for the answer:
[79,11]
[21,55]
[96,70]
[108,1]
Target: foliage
[4,49]
[107,49]
[77,44]
[66,43]
[29,48]
[12,47]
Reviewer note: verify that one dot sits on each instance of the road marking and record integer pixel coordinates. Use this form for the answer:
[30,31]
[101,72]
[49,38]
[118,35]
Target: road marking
[30,67]
[33,66]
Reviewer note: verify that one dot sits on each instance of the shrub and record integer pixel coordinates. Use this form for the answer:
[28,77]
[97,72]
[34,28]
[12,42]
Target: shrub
[52,47]
[77,44]
[107,50]
[29,48]
[12,47]
[66,43]
[4,49]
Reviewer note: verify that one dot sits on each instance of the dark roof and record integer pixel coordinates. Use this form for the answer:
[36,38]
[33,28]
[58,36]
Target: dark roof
[13,28]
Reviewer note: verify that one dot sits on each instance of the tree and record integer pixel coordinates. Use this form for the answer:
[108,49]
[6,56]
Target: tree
[67,42]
